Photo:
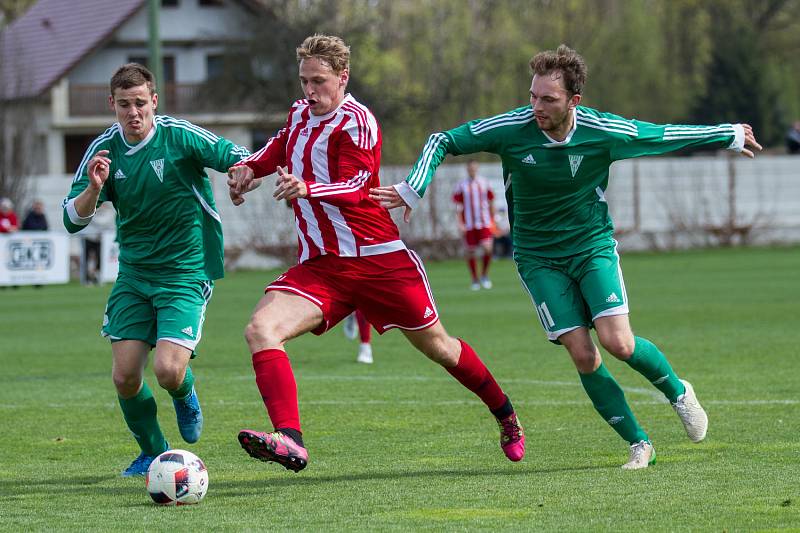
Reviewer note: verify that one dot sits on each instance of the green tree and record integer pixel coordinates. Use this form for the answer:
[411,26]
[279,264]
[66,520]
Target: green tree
[428,65]
[743,76]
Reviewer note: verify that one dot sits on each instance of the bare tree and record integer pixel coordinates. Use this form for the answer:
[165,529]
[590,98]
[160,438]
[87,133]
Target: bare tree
[17,133]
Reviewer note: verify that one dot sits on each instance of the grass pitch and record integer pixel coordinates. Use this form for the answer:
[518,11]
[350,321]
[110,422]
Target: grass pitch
[399,445]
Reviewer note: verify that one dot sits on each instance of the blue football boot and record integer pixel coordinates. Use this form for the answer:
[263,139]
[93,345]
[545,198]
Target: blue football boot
[139,465]
[190,417]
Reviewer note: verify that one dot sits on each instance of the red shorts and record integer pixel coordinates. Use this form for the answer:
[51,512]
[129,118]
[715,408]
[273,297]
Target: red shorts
[391,290]
[473,237]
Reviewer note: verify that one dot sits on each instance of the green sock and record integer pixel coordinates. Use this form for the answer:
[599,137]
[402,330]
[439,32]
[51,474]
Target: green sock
[186,387]
[140,415]
[609,401]
[648,360]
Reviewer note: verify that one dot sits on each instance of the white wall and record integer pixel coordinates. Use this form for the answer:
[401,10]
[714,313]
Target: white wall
[189,22]
[189,32]
[691,191]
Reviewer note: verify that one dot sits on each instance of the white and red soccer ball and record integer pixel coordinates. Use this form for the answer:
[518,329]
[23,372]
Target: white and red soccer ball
[177,477]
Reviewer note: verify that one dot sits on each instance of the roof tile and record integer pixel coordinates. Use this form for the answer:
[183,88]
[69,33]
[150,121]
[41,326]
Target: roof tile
[42,45]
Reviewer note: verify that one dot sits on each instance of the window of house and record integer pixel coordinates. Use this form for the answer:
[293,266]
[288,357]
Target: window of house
[75,146]
[142,60]
[169,3]
[214,66]
[168,63]
[212,3]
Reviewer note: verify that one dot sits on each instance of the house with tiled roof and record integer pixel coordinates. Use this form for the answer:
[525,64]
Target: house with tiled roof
[59,55]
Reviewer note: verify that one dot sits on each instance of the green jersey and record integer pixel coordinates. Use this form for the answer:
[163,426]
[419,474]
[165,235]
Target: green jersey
[168,226]
[556,189]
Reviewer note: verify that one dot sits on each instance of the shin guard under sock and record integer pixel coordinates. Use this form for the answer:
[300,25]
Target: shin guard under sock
[278,388]
[473,374]
[609,400]
[140,413]
[648,360]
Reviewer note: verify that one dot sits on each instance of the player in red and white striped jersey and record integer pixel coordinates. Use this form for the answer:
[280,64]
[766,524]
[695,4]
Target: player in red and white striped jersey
[475,203]
[350,255]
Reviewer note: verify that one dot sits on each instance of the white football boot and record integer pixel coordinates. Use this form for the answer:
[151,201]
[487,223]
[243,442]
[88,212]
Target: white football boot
[365,353]
[693,416]
[642,455]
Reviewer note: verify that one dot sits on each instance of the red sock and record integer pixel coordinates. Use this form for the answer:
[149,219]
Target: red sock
[487,258]
[275,381]
[473,374]
[473,268]
[364,327]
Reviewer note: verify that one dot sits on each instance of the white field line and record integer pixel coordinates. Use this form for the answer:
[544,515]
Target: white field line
[355,402]
[656,398]
[520,381]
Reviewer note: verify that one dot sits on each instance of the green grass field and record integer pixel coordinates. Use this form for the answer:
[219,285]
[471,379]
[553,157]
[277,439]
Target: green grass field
[399,445]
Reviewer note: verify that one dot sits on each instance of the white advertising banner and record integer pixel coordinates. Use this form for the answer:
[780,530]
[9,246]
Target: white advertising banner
[34,258]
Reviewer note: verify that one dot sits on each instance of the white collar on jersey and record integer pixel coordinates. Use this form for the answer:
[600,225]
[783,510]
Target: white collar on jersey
[568,138]
[133,148]
[316,119]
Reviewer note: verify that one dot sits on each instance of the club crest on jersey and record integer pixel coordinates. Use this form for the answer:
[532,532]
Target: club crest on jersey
[575,163]
[158,167]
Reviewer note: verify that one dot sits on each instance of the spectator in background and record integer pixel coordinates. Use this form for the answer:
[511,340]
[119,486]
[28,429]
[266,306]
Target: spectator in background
[474,201]
[8,218]
[35,220]
[357,325]
[793,138]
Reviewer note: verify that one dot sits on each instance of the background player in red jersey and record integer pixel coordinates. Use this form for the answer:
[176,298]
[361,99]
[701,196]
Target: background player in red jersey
[475,204]
[350,255]
[357,325]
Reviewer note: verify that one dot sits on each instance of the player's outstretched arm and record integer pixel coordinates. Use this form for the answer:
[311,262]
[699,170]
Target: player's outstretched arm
[241,180]
[750,142]
[389,198]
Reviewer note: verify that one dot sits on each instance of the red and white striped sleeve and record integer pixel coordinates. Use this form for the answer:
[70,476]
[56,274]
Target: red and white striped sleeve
[357,146]
[266,161]
[458,193]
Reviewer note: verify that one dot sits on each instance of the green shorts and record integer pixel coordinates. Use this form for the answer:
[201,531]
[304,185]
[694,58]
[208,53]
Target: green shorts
[571,292]
[151,311]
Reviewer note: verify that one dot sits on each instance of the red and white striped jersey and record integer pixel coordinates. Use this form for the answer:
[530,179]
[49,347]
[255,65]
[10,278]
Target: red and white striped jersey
[338,155]
[475,197]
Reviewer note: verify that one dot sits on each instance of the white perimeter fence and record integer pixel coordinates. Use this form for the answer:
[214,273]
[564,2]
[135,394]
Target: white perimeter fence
[656,204]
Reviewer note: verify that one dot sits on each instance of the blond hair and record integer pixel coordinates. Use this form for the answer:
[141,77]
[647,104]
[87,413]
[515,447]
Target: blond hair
[328,48]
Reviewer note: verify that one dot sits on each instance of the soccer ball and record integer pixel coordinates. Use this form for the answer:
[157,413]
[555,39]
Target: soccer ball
[177,477]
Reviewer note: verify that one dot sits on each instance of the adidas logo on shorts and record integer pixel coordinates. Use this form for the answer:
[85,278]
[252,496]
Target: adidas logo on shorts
[188,331]
[612,298]
[428,312]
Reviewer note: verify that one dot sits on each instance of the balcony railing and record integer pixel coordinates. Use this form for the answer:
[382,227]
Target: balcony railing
[181,99]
